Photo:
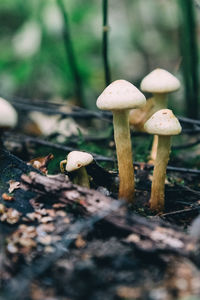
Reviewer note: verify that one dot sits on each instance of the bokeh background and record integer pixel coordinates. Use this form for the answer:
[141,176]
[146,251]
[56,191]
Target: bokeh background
[143,35]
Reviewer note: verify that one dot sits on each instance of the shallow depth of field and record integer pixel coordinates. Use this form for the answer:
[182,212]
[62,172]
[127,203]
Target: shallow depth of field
[80,234]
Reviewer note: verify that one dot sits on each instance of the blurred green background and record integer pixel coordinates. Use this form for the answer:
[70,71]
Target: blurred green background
[143,35]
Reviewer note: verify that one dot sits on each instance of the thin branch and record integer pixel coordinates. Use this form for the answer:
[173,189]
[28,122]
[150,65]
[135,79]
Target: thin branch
[24,103]
[189,120]
[182,211]
[71,54]
[105,42]
[97,157]
[184,146]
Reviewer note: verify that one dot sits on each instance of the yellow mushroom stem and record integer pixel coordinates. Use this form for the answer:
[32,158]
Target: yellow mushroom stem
[154,147]
[157,200]
[81,177]
[160,101]
[62,163]
[124,154]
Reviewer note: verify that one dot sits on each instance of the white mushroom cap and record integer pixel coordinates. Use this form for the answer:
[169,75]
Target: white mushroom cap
[160,81]
[8,115]
[78,159]
[163,122]
[120,94]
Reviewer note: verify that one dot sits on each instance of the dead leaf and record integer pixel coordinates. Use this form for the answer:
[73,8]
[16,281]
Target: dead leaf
[14,185]
[7,197]
[41,163]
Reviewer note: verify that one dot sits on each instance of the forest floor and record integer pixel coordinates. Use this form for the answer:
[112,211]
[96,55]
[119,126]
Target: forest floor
[62,241]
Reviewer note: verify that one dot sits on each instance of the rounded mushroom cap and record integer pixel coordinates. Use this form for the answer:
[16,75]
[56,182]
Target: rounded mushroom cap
[78,159]
[8,115]
[119,95]
[163,122]
[160,81]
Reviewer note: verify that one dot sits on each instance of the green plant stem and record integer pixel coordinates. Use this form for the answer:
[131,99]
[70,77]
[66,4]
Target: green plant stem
[71,54]
[189,51]
[105,43]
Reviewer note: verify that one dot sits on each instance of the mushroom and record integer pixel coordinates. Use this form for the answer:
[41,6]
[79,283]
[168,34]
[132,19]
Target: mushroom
[8,118]
[8,115]
[119,97]
[164,124]
[76,162]
[160,83]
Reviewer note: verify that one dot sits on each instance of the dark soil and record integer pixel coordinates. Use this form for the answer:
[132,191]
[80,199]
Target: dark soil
[68,242]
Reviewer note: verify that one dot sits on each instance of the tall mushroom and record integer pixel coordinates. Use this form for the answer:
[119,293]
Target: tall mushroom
[160,83]
[76,162]
[164,124]
[119,97]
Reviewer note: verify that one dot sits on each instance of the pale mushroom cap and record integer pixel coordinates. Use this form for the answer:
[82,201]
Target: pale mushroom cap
[160,81]
[78,159]
[8,115]
[119,95]
[163,122]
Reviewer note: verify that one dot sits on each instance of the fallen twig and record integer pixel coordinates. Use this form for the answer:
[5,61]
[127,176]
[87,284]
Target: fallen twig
[97,157]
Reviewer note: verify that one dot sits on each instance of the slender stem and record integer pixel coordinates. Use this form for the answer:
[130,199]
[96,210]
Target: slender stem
[160,101]
[81,177]
[159,173]
[154,149]
[105,43]
[71,54]
[124,154]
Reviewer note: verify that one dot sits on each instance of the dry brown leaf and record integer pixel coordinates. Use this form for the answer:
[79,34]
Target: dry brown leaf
[7,197]
[41,163]
[14,185]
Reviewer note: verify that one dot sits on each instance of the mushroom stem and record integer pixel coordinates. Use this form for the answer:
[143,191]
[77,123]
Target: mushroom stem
[62,163]
[159,173]
[81,177]
[124,154]
[160,102]
[153,150]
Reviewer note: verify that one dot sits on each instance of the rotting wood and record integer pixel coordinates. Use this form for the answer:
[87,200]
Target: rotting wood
[149,238]
[145,234]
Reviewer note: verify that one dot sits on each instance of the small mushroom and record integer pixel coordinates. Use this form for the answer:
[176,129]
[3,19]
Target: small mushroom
[160,83]
[8,116]
[76,162]
[119,97]
[164,124]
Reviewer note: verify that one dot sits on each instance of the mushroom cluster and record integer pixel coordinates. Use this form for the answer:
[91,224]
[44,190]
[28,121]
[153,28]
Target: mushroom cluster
[160,83]
[120,97]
